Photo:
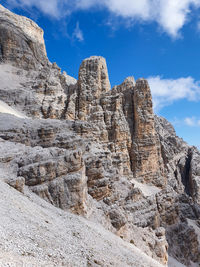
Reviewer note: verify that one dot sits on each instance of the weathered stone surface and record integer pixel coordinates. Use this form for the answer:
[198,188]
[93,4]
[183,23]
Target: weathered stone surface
[40,94]
[193,163]
[55,174]
[92,83]
[183,243]
[18,183]
[117,219]
[21,41]
[147,162]
[95,151]
[39,89]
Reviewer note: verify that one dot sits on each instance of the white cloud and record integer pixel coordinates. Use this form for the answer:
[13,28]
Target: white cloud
[192,121]
[166,91]
[50,7]
[129,9]
[171,15]
[188,121]
[198,26]
[78,34]
[174,14]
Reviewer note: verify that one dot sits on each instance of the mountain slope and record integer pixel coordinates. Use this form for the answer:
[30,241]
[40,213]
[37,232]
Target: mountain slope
[94,151]
[42,234]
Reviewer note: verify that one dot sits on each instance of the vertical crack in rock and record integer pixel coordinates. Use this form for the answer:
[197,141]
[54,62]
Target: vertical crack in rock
[186,179]
[193,174]
[1,53]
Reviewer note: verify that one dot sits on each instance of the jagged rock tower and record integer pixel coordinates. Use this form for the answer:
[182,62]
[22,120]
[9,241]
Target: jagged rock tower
[96,151]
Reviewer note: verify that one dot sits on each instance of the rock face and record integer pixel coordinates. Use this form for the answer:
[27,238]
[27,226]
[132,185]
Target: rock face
[96,151]
[147,160]
[21,40]
[92,83]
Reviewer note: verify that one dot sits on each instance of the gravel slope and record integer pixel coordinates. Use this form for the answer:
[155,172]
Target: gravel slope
[34,232]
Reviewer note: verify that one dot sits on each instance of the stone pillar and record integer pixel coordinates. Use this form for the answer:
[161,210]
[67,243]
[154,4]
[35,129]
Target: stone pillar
[147,163]
[92,83]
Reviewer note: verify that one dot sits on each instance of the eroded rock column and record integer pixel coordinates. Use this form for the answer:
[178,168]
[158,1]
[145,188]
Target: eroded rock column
[147,163]
[92,83]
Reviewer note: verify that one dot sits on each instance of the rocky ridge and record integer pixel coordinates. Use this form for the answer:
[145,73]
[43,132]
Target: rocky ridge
[96,151]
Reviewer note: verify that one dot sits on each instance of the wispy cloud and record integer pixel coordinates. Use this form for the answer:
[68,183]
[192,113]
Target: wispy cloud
[78,34]
[170,15]
[198,26]
[187,121]
[50,7]
[192,121]
[166,91]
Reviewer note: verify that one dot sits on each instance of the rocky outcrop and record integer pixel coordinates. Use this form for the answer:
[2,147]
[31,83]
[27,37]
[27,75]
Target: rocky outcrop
[147,161]
[179,203]
[96,151]
[92,83]
[21,41]
[39,89]
[181,161]
[193,172]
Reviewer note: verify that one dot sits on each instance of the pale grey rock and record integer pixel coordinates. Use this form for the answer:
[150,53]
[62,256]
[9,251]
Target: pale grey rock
[18,183]
[35,233]
[183,243]
[147,161]
[92,83]
[194,174]
[117,219]
[94,151]
[21,41]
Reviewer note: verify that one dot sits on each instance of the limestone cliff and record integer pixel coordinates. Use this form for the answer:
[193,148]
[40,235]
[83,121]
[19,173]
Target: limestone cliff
[22,42]
[96,151]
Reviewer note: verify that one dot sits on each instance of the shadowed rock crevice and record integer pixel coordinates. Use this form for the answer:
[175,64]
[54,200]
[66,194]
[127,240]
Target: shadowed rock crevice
[1,53]
[186,178]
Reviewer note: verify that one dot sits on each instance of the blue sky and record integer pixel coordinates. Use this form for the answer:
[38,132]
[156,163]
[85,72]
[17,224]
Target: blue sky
[155,39]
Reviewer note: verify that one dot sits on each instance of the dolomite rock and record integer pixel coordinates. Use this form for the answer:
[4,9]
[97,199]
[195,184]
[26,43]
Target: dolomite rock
[18,183]
[125,118]
[194,174]
[54,174]
[38,94]
[21,41]
[183,243]
[40,88]
[95,151]
[147,163]
[180,200]
[92,83]
[181,161]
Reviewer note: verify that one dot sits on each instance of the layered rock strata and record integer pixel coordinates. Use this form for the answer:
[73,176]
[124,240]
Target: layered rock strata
[21,40]
[96,151]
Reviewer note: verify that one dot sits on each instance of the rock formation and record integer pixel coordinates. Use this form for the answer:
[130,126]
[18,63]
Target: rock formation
[21,40]
[96,151]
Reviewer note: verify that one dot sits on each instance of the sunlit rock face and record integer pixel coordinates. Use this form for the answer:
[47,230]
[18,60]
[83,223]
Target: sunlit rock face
[21,40]
[93,82]
[95,151]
